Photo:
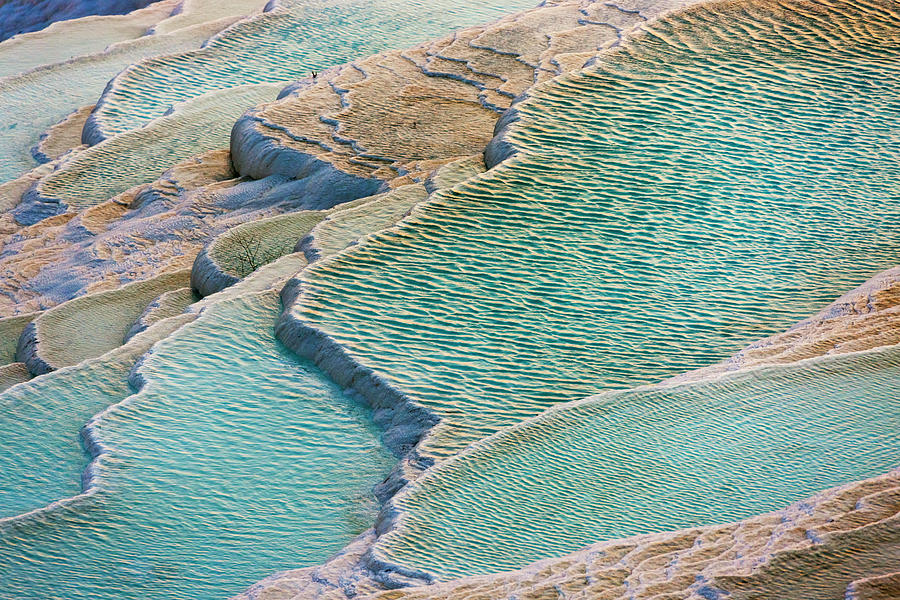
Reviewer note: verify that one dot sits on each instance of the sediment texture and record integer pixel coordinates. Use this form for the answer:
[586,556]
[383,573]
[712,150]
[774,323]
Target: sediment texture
[280,46]
[500,272]
[815,549]
[239,251]
[139,235]
[63,137]
[19,16]
[808,22]
[91,325]
[392,113]
[35,100]
[498,279]
[10,330]
[67,39]
[12,374]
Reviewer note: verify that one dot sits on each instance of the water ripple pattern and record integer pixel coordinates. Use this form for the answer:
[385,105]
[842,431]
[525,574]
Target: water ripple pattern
[37,99]
[284,45]
[232,462]
[730,173]
[46,467]
[652,459]
[199,125]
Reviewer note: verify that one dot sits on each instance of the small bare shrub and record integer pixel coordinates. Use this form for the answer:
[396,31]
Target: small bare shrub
[248,252]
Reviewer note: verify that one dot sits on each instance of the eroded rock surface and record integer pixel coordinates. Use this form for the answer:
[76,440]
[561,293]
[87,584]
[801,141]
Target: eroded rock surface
[395,114]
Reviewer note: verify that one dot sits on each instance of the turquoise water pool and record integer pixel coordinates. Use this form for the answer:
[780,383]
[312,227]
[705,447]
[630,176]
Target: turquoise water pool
[651,460]
[276,47]
[233,462]
[730,174]
[45,467]
[297,37]
[37,99]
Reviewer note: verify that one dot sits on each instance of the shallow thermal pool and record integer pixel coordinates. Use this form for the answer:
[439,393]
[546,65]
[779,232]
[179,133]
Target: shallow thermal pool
[652,459]
[276,47]
[729,174]
[233,462]
[286,44]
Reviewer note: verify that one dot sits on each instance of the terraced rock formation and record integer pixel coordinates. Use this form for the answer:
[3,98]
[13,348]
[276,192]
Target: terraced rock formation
[243,249]
[245,310]
[646,460]
[377,136]
[835,543]
[284,44]
[92,325]
[396,114]
[17,16]
[513,220]
[67,39]
[865,318]
[88,178]
[35,100]
[11,370]
[136,236]
[845,563]
[98,173]
[43,431]
[827,546]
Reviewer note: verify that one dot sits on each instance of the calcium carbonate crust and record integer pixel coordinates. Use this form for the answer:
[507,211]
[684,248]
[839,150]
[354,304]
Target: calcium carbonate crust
[406,424]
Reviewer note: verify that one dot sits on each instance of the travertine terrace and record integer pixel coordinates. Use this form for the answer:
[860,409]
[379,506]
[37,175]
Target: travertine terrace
[228,221]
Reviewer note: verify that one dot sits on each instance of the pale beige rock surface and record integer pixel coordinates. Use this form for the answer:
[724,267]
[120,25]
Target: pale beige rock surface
[400,112]
[118,241]
[381,122]
[64,136]
[814,549]
[777,555]
[395,118]
[91,325]
[841,543]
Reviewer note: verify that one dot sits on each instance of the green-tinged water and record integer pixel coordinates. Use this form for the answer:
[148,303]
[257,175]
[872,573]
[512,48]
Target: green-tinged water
[286,44]
[727,175]
[273,48]
[37,99]
[732,173]
[41,453]
[233,462]
[650,460]
[142,155]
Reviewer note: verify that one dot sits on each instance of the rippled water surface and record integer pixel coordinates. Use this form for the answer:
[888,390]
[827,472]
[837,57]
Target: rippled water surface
[39,468]
[34,101]
[277,47]
[140,156]
[286,44]
[233,462]
[652,460]
[729,175]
